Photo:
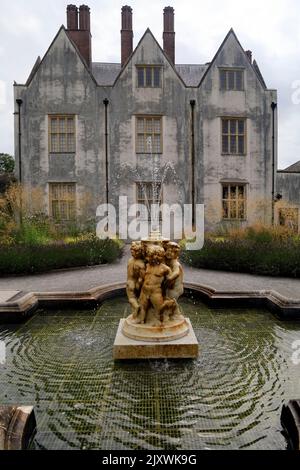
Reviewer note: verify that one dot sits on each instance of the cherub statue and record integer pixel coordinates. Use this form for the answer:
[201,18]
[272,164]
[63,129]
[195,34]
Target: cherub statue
[175,280]
[152,293]
[135,276]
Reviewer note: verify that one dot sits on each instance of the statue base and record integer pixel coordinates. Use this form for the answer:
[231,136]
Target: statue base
[169,331]
[186,346]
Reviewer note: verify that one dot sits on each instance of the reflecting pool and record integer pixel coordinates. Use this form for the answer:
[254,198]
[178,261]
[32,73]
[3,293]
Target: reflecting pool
[229,398]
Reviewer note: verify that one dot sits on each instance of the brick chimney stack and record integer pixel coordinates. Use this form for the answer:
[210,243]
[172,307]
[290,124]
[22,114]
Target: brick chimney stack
[126,34]
[84,18]
[72,17]
[80,33]
[249,55]
[169,33]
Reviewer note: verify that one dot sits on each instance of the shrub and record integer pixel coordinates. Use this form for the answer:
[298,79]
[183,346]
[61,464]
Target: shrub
[21,259]
[264,251]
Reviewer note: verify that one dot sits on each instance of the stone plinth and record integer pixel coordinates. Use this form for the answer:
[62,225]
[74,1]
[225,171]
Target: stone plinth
[171,330]
[128,348]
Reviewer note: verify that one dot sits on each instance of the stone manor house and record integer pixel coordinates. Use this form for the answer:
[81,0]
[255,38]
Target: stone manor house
[79,126]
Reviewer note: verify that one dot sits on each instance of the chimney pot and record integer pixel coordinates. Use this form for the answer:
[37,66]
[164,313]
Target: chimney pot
[249,55]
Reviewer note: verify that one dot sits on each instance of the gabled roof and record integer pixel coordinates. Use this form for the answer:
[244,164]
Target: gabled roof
[107,74]
[148,31]
[254,67]
[39,62]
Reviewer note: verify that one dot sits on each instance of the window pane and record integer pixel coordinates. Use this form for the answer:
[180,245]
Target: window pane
[241,126]
[156,76]
[62,127]
[54,143]
[241,145]
[141,77]
[232,126]
[241,210]
[225,192]
[232,192]
[223,79]
[233,213]
[140,125]
[156,145]
[225,210]
[54,127]
[239,80]
[230,79]
[55,211]
[148,76]
[140,190]
[70,125]
[225,123]
[149,143]
[233,144]
[241,192]
[62,142]
[70,143]
[225,144]
[156,126]
[140,143]
[149,125]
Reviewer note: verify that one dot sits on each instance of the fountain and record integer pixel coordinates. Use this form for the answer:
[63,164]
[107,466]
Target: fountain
[156,326]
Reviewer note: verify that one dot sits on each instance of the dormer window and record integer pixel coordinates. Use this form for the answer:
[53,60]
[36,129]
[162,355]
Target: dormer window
[149,76]
[232,79]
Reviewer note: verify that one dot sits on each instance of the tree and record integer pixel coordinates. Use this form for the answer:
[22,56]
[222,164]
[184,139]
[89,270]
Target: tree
[7,163]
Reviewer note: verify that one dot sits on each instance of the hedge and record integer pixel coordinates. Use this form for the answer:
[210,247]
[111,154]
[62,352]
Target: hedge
[272,258]
[23,259]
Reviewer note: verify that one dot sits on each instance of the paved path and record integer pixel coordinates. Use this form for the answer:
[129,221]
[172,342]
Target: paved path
[81,279]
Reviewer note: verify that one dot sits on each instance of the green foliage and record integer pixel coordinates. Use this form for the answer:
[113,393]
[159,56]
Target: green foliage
[7,163]
[257,254]
[33,258]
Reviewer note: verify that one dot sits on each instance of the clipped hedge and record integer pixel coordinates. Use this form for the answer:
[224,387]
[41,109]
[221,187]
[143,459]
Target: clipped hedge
[24,259]
[270,258]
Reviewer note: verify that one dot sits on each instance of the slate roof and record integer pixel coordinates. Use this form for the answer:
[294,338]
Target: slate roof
[191,74]
[106,73]
[295,168]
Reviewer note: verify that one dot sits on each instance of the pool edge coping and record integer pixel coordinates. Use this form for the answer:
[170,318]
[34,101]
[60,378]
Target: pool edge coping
[25,303]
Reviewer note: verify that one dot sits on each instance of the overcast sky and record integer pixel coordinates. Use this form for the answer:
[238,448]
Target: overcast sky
[270,28]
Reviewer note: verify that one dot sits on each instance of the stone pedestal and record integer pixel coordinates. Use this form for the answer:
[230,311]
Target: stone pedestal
[182,347]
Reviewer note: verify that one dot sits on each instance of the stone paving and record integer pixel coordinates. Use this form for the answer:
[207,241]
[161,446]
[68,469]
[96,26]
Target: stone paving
[81,279]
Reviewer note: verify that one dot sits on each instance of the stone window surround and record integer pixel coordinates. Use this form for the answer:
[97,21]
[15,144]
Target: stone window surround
[65,116]
[236,184]
[237,118]
[152,67]
[227,70]
[51,186]
[149,117]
